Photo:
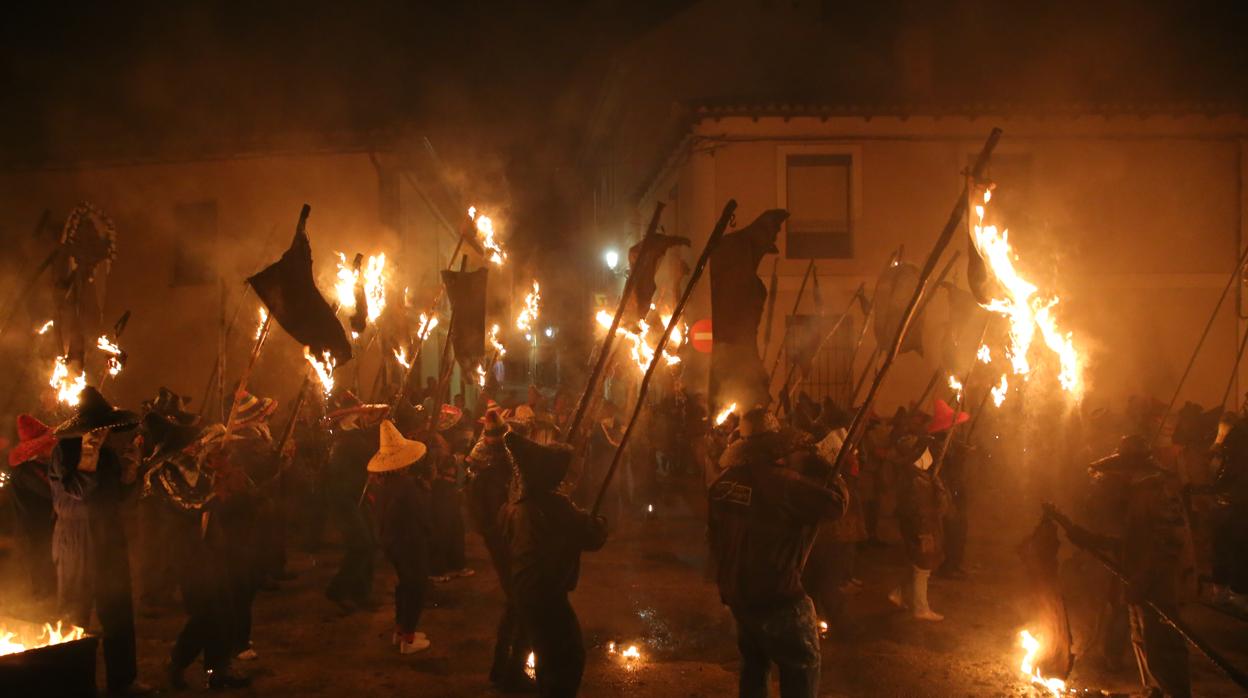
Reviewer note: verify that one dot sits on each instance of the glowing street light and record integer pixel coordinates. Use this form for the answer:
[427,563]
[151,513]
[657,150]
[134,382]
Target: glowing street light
[612,258]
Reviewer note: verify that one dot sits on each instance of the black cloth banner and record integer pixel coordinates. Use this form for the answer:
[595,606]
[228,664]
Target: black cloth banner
[466,291]
[288,290]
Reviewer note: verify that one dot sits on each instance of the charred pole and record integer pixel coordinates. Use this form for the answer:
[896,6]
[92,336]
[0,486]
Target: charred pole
[716,234]
[942,242]
[784,340]
[604,353]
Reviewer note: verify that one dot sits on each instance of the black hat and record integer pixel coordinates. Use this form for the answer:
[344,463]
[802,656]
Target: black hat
[168,436]
[95,413]
[171,405]
[541,467]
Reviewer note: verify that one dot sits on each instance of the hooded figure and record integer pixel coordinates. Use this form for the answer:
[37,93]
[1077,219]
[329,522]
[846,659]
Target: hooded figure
[762,519]
[400,498]
[545,534]
[89,480]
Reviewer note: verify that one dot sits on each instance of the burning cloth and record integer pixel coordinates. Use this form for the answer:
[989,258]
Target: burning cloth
[466,290]
[737,300]
[1051,625]
[286,287]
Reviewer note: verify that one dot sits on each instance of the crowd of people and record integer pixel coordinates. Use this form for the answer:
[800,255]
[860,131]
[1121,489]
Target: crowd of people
[220,504]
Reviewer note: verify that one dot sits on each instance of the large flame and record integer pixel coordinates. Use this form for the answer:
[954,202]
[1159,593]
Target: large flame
[344,284]
[372,274]
[1031,648]
[499,349]
[724,414]
[1000,390]
[114,354]
[485,235]
[1025,308]
[68,388]
[641,348]
[12,643]
[531,310]
[324,368]
[480,376]
[427,323]
[400,355]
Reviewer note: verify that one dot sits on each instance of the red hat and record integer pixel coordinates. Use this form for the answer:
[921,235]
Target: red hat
[35,440]
[943,418]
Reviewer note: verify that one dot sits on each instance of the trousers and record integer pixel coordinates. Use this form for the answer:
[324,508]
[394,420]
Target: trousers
[786,635]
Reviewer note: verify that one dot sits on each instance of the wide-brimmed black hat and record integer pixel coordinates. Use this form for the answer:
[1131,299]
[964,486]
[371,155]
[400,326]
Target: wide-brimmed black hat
[171,405]
[95,413]
[541,467]
[168,436]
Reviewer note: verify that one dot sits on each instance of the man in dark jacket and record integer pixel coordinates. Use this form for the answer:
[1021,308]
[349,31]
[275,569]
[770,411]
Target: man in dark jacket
[89,481]
[762,521]
[355,440]
[489,484]
[545,534]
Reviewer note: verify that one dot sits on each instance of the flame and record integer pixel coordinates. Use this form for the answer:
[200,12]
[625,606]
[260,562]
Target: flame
[1000,391]
[485,235]
[114,354]
[45,327]
[427,323]
[984,354]
[499,349]
[955,385]
[400,355]
[641,350]
[68,388]
[530,666]
[373,275]
[531,310]
[264,317]
[480,376]
[324,368]
[1024,308]
[11,642]
[724,414]
[1031,647]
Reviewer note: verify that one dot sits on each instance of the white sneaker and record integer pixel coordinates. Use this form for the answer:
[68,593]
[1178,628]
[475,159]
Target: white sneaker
[418,643]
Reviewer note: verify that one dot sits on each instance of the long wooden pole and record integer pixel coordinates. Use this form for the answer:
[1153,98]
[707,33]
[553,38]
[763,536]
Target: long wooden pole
[966,381]
[604,353]
[942,242]
[716,234]
[774,286]
[784,339]
[1230,381]
[1243,259]
[420,346]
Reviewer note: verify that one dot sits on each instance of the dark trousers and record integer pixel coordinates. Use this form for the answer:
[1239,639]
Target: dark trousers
[242,574]
[557,644]
[157,574]
[114,605]
[206,599]
[34,520]
[354,579]
[411,564]
[448,528]
[1160,653]
[871,518]
[786,635]
[511,644]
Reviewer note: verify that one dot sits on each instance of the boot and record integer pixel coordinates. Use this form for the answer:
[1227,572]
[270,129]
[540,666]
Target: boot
[921,610]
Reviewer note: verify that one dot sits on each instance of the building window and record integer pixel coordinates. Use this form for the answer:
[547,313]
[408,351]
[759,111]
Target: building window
[194,243]
[826,366]
[819,199]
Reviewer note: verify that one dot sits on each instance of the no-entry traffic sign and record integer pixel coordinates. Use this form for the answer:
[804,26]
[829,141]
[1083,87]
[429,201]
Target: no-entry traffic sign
[700,335]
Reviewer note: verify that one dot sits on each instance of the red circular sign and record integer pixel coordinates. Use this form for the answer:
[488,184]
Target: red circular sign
[700,335]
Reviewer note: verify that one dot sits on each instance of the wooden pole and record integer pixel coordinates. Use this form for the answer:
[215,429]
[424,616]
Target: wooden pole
[420,346]
[1243,259]
[784,340]
[1230,381]
[771,306]
[866,371]
[966,381]
[942,242]
[928,389]
[605,351]
[242,380]
[716,234]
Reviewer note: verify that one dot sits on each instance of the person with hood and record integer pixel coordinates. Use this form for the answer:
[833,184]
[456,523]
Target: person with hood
[546,534]
[399,494]
[178,483]
[921,505]
[1153,552]
[490,481]
[89,481]
[32,497]
[354,440]
[762,519]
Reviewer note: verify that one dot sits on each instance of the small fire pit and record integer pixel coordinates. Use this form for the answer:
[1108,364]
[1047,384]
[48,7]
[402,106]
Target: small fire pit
[48,660]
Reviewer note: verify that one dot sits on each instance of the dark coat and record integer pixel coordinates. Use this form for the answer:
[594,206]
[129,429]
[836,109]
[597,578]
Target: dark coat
[762,522]
[921,506]
[401,505]
[489,483]
[545,534]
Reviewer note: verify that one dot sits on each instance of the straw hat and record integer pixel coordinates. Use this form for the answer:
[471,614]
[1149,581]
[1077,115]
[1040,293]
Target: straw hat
[252,408]
[34,440]
[396,452]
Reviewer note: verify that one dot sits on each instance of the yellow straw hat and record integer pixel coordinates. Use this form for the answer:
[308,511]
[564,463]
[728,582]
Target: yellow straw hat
[396,452]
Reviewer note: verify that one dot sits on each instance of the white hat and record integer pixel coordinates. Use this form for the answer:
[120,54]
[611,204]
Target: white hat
[396,452]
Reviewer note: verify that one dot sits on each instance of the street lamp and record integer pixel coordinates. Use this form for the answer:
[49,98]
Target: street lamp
[612,258]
